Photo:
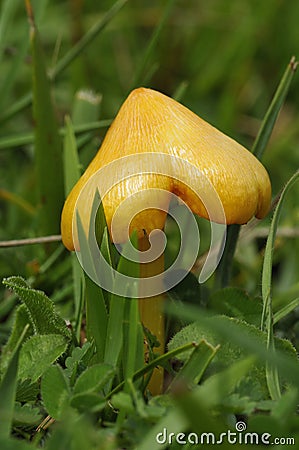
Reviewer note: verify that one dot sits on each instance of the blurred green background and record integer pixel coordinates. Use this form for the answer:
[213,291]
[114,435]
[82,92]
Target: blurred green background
[223,59]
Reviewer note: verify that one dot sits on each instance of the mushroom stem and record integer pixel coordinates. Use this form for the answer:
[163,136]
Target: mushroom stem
[151,313]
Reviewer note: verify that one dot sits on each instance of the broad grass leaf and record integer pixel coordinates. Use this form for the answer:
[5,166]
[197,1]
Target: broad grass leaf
[55,391]
[7,393]
[38,353]
[8,389]
[196,364]
[114,338]
[48,143]
[21,319]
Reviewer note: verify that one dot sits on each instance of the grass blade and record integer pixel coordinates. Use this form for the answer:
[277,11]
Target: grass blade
[22,139]
[7,11]
[270,118]
[267,266]
[195,366]
[71,163]
[151,45]
[252,344]
[8,390]
[96,317]
[258,148]
[81,45]
[13,71]
[71,167]
[267,316]
[285,310]
[159,361]
[69,57]
[133,340]
[117,315]
[86,107]
[48,150]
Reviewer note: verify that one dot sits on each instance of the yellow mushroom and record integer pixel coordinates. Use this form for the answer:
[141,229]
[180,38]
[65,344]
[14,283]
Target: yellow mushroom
[150,123]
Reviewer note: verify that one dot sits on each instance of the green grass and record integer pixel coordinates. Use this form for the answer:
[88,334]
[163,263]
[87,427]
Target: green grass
[232,341]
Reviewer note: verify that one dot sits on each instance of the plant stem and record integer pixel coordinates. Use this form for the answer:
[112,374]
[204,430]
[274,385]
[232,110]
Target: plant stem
[151,313]
[225,267]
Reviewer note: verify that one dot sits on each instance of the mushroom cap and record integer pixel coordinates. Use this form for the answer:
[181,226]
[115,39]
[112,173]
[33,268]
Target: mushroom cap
[150,123]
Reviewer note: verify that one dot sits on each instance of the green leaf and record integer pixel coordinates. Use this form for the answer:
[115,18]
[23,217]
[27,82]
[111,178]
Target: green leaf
[75,432]
[284,358]
[38,353]
[27,391]
[14,444]
[79,359]
[123,402]
[94,378]
[200,401]
[48,145]
[55,391]
[88,402]
[26,414]
[175,420]
[230,352]
[41,309]
[286,406]
[235,302]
